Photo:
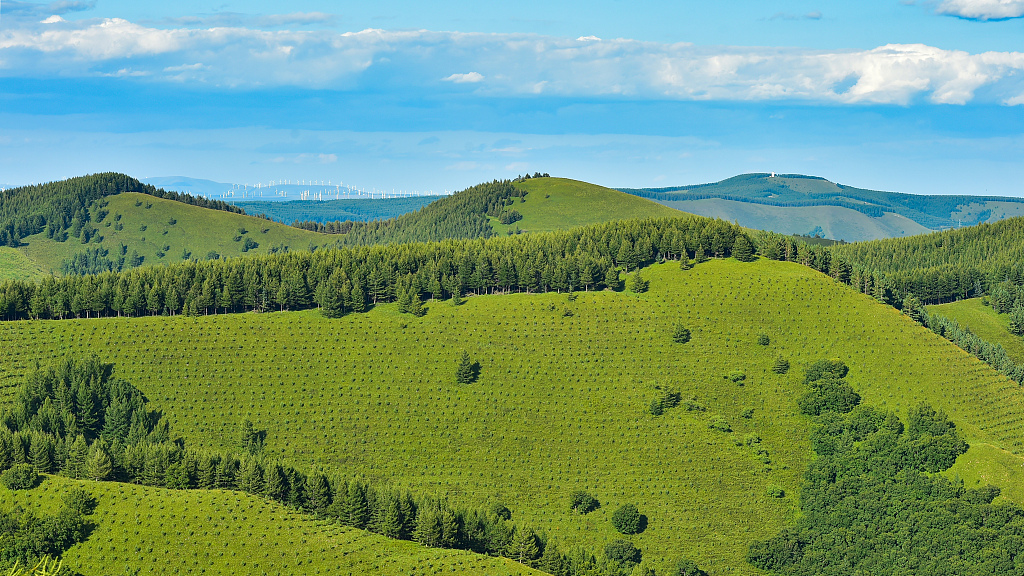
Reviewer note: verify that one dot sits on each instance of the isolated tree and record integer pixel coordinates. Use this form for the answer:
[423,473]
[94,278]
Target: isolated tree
[687,567]
[465,373]
[781,365]
[763,339]
[622,551]
[626,519]
[680,333]
[637,284]
[250,440]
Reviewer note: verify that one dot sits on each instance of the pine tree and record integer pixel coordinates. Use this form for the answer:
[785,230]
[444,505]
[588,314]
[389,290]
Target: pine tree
[523,548]
[742,249]
[701,256]
[318,492]
[428,527]
[680,333]
[465,373]
[99,465]
[78,455]
[450,528]
[781,365]
[275,484]
[1016,319]
[42,453]
[637,284]
[552,561]
[611,279]
[416,304]
[356,508]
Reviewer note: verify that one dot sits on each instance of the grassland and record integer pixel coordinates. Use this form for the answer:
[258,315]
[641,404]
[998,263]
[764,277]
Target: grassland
[14,265]
[159,531]
[560,203]
[985,322]
[146,227]
[561,401]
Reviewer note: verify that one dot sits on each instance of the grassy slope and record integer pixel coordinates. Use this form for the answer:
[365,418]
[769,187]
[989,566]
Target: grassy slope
[14,265]
[561,400]
[836,222]
[985,322]
[160,531]
[560,203]
[200,230]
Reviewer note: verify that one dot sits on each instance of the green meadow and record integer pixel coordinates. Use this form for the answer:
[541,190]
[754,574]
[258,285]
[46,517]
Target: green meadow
[985,322]
[561,203]
[145,530]
[562,399]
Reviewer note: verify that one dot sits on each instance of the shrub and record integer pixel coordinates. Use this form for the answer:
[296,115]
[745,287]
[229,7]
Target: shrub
[20,477]
[79,501]
[775,491]
[781,365]
[747,414]
[583,502]
[622,551]
[501,511]
[736,376]
[249,244]
[763,339]
[720,424]
[212,255]
[626,519]
[172,222]
[687,567]
[680,334]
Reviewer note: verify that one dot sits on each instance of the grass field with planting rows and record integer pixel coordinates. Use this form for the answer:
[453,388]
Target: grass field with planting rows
[562,398]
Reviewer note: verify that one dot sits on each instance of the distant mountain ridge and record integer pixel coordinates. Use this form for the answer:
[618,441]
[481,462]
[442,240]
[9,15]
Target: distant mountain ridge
[791,200]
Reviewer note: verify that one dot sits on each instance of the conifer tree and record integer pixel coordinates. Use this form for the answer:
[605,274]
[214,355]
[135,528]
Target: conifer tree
[637,284]
[781,365]
[680,333]
[318,493]
[465,373]
[742,249]
[524,548]
[42,453]
[99,466]
[611,279]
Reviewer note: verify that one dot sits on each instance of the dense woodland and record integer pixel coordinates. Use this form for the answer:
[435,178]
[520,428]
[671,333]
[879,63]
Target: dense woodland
[76,419]
[63,207]
[872,503]
[353,279]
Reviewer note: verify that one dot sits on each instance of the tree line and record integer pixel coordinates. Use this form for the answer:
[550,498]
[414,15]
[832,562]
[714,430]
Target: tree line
[76,419]
[340,281]
[57,207]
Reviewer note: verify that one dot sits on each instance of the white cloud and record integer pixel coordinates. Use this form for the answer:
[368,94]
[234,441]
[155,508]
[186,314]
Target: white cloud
[512,64]
[468,78]
[983,9]
[53,20]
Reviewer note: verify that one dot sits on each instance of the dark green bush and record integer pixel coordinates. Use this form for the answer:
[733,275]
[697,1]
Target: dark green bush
[583,502]
[622,551]
[626,519]
[20,477]
[763,339]
[680,334]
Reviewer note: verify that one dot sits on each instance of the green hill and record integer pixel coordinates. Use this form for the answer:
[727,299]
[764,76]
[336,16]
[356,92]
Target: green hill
[798,204]
[560,203]
[562,399]
[160,231]
[160,531]
[985,322]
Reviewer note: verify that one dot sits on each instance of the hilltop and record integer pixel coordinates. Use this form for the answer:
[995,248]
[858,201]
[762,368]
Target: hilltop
[562,399]
[560,203]
[798,204]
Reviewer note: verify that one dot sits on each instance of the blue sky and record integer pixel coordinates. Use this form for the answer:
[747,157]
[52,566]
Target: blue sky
[923,97]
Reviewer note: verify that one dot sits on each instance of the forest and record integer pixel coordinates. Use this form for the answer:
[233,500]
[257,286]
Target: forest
[872,503]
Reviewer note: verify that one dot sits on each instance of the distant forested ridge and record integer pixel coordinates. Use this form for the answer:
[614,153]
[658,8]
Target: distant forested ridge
[352,279]
[63,207]
[797,190]
[322,212]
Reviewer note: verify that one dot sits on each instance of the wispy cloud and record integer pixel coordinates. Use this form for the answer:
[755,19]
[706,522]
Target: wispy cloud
[468,78]
[983,9]
[511,64]
[15,8]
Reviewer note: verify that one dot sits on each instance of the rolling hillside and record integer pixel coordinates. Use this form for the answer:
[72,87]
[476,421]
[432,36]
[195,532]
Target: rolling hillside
[797,204]
[160,531]
[560,203]
[163,231]
[983,321]
[562,399]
